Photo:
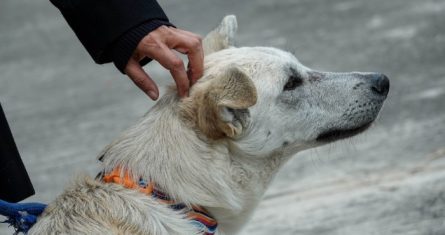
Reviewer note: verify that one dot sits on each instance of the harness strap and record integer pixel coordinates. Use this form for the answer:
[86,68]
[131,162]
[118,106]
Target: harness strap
[197,215]
[22,216]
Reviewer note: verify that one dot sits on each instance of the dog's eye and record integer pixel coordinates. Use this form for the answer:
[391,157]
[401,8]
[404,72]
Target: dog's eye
[292,83]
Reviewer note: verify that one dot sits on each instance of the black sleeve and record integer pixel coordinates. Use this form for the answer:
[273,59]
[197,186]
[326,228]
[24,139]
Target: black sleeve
[111,29]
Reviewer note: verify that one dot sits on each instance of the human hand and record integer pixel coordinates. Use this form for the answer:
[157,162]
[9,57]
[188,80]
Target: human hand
[159,45]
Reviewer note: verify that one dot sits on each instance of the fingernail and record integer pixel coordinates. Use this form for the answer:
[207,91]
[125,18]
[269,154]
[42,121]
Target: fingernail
[152,95]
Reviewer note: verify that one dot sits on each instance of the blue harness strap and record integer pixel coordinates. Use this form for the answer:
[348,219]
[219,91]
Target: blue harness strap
[22,216]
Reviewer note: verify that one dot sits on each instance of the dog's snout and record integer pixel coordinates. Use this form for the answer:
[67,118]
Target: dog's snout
[380,84]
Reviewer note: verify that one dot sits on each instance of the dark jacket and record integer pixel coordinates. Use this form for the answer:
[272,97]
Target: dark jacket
[110,30]
[14,181]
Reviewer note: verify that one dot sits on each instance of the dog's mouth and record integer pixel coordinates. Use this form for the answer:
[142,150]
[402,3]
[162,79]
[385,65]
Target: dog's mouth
[338,134]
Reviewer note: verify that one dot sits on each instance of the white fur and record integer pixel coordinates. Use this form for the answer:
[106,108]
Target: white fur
[227,176]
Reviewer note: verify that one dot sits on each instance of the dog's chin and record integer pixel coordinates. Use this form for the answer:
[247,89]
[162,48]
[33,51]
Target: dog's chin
[341,133]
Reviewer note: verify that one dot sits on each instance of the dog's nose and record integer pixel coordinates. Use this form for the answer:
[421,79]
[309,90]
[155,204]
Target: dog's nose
[380,84]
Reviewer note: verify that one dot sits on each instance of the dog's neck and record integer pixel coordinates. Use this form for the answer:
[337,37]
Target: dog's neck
[165,150]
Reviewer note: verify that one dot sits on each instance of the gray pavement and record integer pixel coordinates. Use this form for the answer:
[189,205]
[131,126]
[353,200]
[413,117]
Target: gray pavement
[391,180]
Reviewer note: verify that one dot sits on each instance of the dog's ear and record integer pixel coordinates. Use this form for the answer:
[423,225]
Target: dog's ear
[222,37]
[219,107]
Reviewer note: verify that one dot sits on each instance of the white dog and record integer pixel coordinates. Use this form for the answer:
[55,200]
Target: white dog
[201,164]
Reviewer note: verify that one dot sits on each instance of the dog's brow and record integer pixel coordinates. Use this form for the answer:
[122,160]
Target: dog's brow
[293,72]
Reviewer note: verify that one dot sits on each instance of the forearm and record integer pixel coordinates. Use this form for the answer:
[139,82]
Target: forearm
[111,29]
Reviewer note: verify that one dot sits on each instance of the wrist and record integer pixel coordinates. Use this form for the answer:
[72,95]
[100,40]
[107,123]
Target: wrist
[123,48]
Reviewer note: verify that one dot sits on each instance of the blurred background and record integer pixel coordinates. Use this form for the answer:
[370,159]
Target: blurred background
[63,109]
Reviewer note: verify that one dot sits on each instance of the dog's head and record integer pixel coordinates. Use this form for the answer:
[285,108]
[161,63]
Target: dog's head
[265,100]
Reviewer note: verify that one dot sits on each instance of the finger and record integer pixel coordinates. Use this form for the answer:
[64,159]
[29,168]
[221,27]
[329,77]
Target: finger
[196,65]
[173,63]
[190,34]
[141,79]
[190,44]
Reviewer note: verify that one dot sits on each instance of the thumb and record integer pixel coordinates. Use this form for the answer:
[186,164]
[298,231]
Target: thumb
[141,79]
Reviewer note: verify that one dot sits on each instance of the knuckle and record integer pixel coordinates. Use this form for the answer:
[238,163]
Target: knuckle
[151,36]
[177,63]
[165,31]
[143,42]
[160,33]
[196,43]
[151,44]
[162,28]
[199,38]
[147,40]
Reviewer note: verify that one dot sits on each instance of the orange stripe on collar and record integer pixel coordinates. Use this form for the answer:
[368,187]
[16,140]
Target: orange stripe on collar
[125,180]
[198,215]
